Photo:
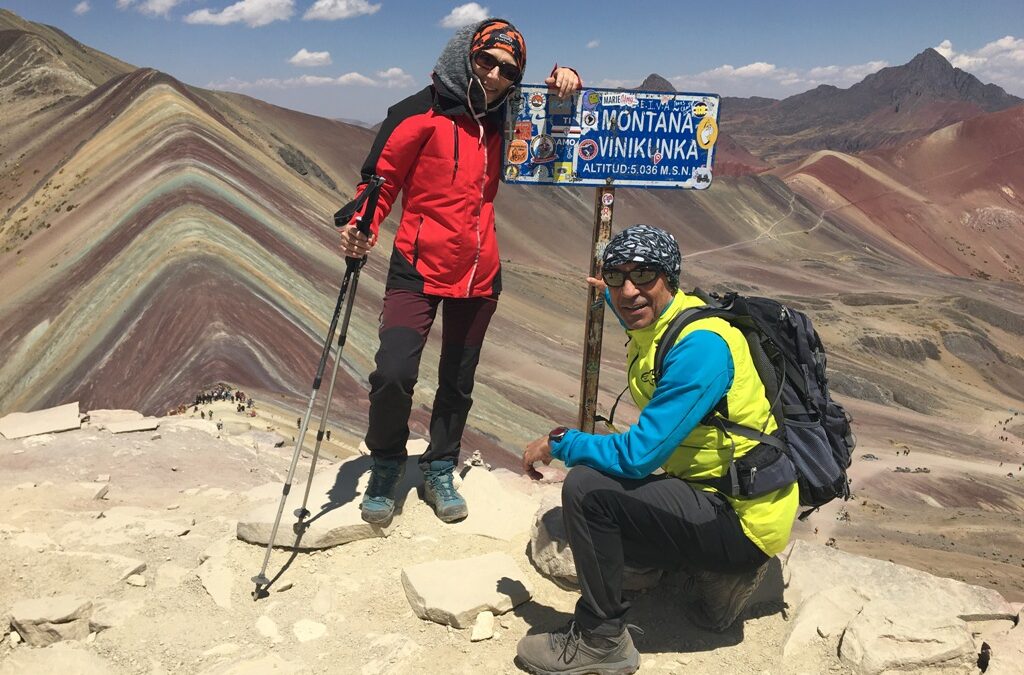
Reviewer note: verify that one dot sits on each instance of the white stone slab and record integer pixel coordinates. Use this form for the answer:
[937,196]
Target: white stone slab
[333,505]
[144,424]
[102,418]
[60,418]
[811,569]
[889,637]
[454,592]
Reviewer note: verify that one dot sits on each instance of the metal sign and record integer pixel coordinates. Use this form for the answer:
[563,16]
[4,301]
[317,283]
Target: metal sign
[634,138]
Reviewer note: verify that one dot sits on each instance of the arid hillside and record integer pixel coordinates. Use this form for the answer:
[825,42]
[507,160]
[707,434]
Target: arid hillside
[157,238]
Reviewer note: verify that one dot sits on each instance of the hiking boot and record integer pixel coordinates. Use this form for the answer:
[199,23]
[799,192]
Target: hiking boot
[378,505]
[570,650]
[723,597]
[439,491]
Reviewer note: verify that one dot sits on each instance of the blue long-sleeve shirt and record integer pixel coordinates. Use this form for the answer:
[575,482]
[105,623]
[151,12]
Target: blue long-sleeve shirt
[697,373]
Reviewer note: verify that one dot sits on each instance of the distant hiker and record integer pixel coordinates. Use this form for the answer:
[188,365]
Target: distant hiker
[328,434]
[202,414]
[298,422]
[441,148]
[616,511]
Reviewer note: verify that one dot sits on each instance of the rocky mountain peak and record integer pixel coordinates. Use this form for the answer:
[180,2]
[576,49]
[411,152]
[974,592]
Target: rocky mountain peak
[655,82]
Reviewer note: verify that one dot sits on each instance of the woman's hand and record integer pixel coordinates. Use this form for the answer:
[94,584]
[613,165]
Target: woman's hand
[565,80]
[355,244]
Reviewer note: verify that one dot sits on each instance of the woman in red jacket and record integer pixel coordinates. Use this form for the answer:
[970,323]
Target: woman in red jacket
[441,149]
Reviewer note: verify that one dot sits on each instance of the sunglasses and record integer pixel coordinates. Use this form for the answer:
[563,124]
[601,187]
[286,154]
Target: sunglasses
[508,71]
[640,276]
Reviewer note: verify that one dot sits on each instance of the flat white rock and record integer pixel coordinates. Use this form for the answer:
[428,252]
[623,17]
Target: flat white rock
[21,424]
[454,592]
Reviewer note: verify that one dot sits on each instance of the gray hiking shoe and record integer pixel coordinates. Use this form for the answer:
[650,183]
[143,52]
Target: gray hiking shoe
[721,597]
[439,491]
[571,651]
[378,505]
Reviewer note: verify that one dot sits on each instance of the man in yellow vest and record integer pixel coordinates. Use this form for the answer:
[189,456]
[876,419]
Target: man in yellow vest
[617,510]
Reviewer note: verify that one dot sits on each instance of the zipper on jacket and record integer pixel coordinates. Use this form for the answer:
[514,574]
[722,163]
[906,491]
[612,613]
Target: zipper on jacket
[483,180]
[455,134]
[416,243]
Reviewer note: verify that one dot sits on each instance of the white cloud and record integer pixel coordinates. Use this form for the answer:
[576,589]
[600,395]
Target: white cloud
[81,8]
[390,78]
[395,78]
[593,44]
[1000,61]
[339,9]
[308,59]
[768,79]
[253,13]
[150,7]
[464,15]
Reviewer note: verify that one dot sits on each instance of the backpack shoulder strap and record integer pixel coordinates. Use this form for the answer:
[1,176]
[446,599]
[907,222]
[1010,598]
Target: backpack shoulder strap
[671,334]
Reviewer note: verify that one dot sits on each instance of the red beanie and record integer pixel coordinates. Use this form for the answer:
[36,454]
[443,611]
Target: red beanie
[501,35]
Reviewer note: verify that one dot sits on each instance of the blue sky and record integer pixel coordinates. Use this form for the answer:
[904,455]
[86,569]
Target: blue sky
[353,58]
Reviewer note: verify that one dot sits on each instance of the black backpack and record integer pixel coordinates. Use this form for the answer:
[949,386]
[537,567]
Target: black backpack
[814,437]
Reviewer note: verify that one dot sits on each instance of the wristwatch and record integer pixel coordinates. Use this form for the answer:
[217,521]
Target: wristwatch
[557,434]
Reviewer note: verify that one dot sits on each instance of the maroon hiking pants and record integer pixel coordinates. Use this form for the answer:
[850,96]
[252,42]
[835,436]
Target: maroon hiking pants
[405,324]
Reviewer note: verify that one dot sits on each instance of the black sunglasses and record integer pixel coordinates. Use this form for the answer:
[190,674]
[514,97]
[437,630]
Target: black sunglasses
[509,71]
[640,276]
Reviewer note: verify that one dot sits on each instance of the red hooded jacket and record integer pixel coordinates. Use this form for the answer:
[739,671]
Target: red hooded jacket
[447,164]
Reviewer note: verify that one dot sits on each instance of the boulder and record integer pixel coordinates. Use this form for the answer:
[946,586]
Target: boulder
[824,616]
[333,504]
[60,418]
[550,553]
[890,637]
[811,568]
[43,621]
[454,592]
[1006,650]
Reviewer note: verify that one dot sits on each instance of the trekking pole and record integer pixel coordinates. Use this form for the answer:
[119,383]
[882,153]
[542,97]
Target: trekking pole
[353,266]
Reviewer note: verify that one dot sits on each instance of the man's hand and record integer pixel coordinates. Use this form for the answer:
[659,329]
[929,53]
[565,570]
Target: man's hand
[355,244]
[598,284]
[565,80]
[537,451]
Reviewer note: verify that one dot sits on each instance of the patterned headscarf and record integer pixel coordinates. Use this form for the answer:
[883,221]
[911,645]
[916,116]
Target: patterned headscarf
[500,34]
[649,246]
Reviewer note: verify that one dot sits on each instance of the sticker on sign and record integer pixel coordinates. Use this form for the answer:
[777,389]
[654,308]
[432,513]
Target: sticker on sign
[604,136]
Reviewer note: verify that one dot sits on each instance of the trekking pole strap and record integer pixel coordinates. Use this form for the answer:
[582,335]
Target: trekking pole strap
[370,196]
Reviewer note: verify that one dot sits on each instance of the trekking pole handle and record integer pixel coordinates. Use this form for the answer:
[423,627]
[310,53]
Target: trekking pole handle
[370,196]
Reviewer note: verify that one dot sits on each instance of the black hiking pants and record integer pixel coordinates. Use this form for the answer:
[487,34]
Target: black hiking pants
[405,324]
[658,521]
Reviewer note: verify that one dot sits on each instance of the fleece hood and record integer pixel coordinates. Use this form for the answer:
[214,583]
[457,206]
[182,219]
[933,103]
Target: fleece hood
[458,89]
